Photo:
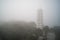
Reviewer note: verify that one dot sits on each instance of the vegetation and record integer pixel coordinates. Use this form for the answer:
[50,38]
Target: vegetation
[19,31]
[57,32]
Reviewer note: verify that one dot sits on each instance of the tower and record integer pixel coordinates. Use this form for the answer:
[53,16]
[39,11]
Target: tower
[40,19]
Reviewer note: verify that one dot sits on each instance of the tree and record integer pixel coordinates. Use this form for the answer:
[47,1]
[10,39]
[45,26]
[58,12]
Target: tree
[45,31]
[57,32]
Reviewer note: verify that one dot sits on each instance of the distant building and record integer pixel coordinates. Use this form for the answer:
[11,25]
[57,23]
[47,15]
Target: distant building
[40,18]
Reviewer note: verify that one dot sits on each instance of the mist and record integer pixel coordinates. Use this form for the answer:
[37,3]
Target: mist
[26,10]
[29,20]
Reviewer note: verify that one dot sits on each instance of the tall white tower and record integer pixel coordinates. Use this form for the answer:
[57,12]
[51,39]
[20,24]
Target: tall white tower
[40,19]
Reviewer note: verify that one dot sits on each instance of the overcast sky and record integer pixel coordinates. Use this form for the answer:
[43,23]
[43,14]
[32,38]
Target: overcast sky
[26,10]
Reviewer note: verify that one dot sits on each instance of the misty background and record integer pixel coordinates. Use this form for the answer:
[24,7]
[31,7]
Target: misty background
[27,10]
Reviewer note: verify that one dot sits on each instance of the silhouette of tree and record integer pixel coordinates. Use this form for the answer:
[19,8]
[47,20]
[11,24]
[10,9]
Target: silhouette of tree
[45,31]
[57,32]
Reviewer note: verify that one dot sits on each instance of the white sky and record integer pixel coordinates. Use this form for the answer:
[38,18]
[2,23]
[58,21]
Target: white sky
[27,10]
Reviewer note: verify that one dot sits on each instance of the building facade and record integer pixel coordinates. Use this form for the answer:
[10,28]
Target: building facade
[40,18]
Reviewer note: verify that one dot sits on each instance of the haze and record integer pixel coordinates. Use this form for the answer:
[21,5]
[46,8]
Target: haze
[26,10]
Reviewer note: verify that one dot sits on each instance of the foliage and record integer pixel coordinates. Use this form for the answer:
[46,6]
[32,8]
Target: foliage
[19,31]
[57,32]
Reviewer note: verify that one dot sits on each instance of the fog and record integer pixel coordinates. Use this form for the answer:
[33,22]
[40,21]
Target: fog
[20,20]
[26,10]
